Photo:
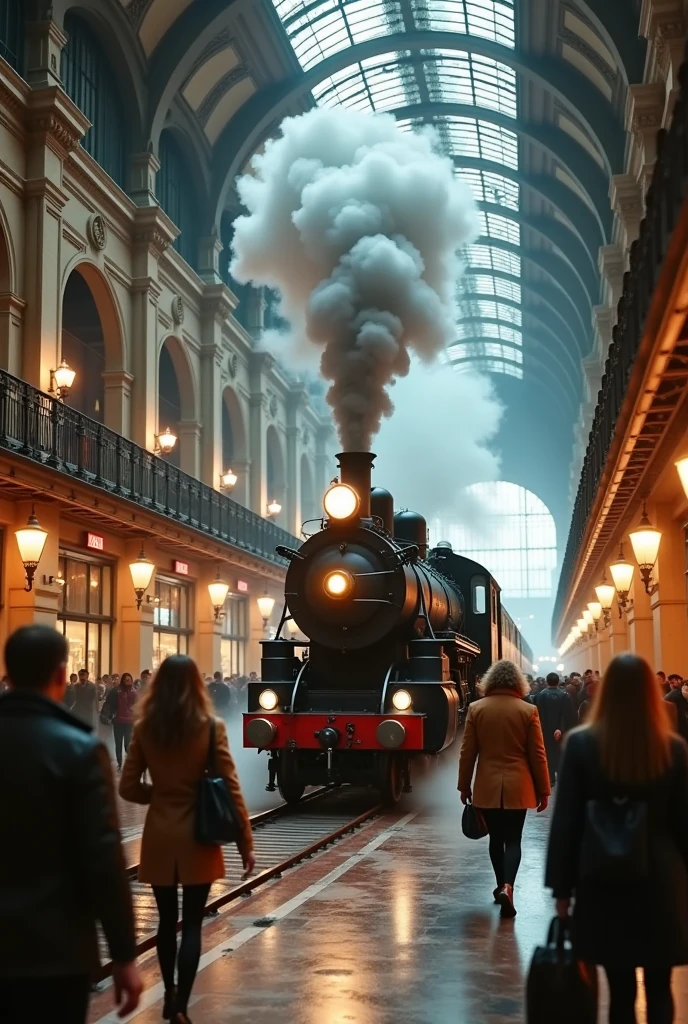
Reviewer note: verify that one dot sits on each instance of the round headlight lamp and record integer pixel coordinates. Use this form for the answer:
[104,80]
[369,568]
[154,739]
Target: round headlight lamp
[338,584]
[401,700]
[268,700]
[340,501]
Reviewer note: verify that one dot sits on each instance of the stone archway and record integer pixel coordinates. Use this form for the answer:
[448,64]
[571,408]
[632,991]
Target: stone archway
[93,344]
[275,474]
[178,404]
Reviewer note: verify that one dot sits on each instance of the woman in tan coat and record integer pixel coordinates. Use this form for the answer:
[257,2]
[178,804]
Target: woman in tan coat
[503,734]
[171,741]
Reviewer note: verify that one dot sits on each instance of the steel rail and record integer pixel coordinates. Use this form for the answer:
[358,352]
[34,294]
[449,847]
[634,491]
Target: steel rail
[246,887]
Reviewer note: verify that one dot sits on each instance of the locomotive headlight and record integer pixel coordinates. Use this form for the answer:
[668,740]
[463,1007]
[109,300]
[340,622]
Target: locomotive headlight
[401,700]
[268,700]
[338,584]
[340,501]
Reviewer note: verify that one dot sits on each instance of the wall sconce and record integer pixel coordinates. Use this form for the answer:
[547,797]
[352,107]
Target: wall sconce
[605,595]
[165,442]
[682,467]
[576,633]
[645,540]
[582,626]
[595,609]
[61,380]
[265,605]
[31,541]
[218,591]
[274,508]
[227,480]
[587,617]
[141,574]
[622,574]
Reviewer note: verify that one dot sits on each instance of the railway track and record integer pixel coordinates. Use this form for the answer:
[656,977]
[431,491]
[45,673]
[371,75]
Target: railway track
[283,836]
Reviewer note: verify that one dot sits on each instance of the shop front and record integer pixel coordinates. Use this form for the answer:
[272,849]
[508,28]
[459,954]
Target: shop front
[85,604]
[235,632]
[172,617]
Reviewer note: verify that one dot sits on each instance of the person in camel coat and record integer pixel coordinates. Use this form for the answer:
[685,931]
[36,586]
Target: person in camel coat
[171,742]
[503,735]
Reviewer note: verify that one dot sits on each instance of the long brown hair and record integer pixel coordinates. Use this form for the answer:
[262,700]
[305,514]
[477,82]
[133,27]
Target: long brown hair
[631,723]
[176,704]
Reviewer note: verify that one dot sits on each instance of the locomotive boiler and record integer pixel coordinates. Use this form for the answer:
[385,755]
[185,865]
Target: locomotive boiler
[384,677]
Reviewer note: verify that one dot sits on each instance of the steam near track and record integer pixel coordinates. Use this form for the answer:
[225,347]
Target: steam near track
[357,224]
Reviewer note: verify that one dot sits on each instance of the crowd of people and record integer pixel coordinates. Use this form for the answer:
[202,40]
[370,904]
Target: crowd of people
[617,861]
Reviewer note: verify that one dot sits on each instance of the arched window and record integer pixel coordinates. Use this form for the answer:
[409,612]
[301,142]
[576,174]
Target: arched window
[91,84]
[509,531]
[12,32]
[176,193]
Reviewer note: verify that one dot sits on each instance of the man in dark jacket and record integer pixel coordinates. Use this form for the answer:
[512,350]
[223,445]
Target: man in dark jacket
[61,862]
[679,699]
[557,716]
[220,694]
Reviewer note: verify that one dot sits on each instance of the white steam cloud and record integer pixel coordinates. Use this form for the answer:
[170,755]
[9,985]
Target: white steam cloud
[357,225]
[438,443]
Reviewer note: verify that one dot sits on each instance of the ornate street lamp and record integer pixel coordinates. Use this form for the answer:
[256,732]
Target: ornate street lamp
[141,574]
[595,609]
[227,480]
[165,442]
[622,574]
[605,595]
[587,617]
[218,591]
[31,541]
[265,605]
[61,380]
[645,540]
[274,508]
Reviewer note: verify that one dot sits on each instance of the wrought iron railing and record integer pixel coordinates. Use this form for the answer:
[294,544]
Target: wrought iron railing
[45,430]
[664,200]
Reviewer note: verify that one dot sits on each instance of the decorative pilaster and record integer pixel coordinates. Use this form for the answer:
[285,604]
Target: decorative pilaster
[611,262]
[627,203]
[216,308]
[45,45]
[668,602]
[189,447]
[603,320]
[255,312]
[117,413]
[144,168]
[645,108]
[11,321]
[209,250]
[259,366]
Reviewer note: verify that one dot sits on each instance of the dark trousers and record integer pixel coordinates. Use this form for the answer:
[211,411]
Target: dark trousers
[553,751]
[505,828]
[122,731]
[193,908]
[622,993]
[34,1000]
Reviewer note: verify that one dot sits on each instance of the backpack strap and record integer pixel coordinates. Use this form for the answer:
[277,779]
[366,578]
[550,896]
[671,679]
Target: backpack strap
[210,765]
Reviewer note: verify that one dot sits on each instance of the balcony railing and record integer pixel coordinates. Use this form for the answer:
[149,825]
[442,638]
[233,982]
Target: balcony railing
[52,434]
[665,198]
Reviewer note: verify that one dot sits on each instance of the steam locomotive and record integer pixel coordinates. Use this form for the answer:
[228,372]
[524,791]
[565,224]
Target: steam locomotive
[398,639]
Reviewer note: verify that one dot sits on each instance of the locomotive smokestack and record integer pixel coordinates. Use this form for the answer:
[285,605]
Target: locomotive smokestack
[356,470]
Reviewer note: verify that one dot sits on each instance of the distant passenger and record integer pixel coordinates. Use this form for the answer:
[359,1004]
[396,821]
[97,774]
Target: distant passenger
[557,716]
[85,699]
[662,683]
[677,700]
[619,841]
[221,695]
[172,741]
[119,703]
[503,735]
[675,681]
[586,705]
[61,862]
[68,699]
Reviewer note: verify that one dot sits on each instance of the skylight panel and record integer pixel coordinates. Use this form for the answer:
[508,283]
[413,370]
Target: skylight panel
[491,19]
[491,310]
[376,84]
[318,29]
[484,284]
[481,140]
[466,330]
[494,258]
[465,366]
[486,349]
[493,225]
[472,79]
[488,187]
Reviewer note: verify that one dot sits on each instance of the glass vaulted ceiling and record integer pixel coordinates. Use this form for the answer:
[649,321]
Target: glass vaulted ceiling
[488,334]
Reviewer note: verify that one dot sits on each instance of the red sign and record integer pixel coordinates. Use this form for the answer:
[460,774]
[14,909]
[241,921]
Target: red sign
[181,567]
[95,542]
[242,586]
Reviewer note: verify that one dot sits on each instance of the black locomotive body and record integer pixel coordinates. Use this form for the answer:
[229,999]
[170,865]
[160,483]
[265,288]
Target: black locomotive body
[389,668]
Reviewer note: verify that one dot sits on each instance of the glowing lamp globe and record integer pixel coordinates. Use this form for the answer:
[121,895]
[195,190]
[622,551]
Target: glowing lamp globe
[645,541]
[340,502]
[141,572]
[64,378]
[605,595]
[587,616]
[228,479]
[31,541]
[595,609]
[274,508]
[265,606]
[682,467]
[166,441]
[622,573]
[217,591]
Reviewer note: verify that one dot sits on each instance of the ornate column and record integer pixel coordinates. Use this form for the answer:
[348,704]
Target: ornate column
[144,168]
[255,312]
[216,307]
[260,364]
[640,624]
[618,633]
[209,249]
[208,635]
[153,233]
[645,105]
[11,331]
[627,203]
[663,23]
[134,633]
[295,402]
[668,602]
[117,412]
[190,447]
[604,648]
[54,127]
[611,262]
[45,42]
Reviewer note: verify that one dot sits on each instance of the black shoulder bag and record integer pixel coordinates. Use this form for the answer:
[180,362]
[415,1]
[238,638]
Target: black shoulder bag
[560,988]
[216,817]
[473,823]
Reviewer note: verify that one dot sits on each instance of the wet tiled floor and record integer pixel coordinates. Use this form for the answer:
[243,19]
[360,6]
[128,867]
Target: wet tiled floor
[405,933]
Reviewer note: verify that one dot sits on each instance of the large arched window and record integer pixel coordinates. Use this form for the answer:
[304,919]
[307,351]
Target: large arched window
[91,84]
[176,193]
[12,32]
[510,531]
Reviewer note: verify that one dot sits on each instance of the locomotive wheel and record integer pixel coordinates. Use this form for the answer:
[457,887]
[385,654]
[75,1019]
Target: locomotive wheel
[288,782]
[390,778]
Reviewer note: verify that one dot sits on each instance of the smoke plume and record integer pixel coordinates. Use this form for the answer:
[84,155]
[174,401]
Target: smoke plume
[357,224]
[437,444]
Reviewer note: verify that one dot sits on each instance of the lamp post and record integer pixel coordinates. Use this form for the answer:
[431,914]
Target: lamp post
[31,541]
[217,591]
[141,574]
[61,380]
[645,540]
[622,574]
[165,442]
[265,605]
